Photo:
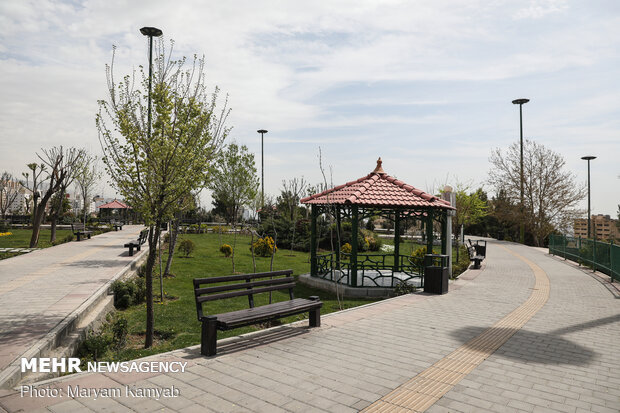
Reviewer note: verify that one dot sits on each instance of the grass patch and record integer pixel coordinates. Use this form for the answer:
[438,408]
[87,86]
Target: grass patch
[20,238]
[176,322]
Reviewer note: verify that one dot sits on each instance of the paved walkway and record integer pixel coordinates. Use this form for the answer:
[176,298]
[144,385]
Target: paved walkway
[526,333]
[39,290]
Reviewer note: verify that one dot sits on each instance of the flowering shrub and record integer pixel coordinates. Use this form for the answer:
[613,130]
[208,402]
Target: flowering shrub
[417,256]
[264,247]
[226,250]
[346,248]
[5,234]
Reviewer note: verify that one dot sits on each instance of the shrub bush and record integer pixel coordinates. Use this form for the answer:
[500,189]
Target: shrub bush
[187,246]
[264,247]
[94,346]
[403,287]
[417,256]
[346,248]
[226,250]
[128,293]
[120,330]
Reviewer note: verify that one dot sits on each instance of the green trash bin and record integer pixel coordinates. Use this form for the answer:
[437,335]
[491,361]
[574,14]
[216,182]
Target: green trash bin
[436,274]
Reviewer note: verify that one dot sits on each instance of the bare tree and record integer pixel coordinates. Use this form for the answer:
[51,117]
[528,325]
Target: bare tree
[86,177]
[37,170]
[61,163]
[9,191]
[71,168]
[550,193]
[292,191]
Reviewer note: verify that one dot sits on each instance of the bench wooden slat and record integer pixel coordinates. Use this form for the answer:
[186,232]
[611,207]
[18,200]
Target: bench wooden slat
[240,286]
[212,280]
[214,297]
[251,315]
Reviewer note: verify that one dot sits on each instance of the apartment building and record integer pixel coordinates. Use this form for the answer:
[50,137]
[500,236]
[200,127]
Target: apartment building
[603,227]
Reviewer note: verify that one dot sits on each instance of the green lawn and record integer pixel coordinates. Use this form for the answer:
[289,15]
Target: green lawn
[176,320]
[21,238]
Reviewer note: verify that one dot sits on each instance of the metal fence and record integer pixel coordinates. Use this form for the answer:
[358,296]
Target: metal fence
[598,255]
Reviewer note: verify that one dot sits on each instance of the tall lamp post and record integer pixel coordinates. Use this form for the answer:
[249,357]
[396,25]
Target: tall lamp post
[588,158]
[262,167]
[150,32]
[520,102]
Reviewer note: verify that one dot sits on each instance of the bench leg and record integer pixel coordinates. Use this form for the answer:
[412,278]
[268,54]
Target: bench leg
[78,236]
[131,251]
[315,315]
[88,236]
[208,340]
[476,264]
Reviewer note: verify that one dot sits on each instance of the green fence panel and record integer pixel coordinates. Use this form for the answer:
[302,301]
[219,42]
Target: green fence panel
[598,255]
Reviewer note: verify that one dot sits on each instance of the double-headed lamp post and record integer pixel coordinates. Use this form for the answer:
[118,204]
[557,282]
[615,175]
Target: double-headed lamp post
[150,32]
[520,102]
[262,167]
[589,158]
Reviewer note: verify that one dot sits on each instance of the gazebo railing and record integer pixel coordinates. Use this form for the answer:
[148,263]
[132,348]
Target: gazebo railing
[373,270]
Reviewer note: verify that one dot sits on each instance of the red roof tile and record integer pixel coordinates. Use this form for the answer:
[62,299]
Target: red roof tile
[377,189]
[114,205]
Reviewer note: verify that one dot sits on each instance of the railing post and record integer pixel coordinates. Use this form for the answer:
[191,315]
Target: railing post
[565,241]
[594,255]
[611,260]
[313,262]
[396,241]
[579,250]
[354,230]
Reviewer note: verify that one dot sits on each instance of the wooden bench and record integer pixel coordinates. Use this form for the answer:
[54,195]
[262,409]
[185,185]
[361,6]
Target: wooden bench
[475,257]
[248,284]
[79,230]
[118,225]
[137,243]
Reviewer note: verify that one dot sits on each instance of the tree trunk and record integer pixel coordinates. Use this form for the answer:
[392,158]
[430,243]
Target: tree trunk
[150,264]
[53,229]
[234,248]
[172,243]
[37,219]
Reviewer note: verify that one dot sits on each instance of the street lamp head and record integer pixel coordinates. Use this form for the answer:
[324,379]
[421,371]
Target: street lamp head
[520,101]
[588,158]
[151,31]
[262,131]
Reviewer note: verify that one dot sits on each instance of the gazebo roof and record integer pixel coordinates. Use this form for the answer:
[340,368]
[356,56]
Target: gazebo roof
[114,205]
[378,189]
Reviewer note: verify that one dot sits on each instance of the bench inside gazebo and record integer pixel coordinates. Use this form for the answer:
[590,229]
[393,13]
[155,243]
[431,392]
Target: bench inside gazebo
[376,194]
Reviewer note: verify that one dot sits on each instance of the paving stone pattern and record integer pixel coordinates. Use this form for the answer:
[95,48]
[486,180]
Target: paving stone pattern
[39,289]
[564,358]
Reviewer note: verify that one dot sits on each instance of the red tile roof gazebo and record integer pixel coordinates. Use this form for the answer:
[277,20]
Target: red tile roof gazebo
[364,197]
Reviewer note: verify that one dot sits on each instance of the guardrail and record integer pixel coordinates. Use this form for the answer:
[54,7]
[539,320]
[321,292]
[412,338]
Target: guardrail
[598,255]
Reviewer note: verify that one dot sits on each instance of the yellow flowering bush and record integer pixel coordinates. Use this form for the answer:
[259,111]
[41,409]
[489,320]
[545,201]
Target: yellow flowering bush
[264,246]
[226,250]
[5,234]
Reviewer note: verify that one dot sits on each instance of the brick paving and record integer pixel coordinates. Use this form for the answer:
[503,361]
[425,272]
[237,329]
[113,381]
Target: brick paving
[565,358]
[40,289]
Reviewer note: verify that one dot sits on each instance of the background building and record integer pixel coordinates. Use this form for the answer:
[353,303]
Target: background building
[603,227]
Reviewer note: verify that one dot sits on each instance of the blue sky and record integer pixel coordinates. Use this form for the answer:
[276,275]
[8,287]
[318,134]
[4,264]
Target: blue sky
[425,85]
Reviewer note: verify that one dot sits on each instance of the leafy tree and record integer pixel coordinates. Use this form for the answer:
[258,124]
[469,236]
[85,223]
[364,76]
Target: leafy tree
[60,163]
[550,193]
[234,184]
[155,171]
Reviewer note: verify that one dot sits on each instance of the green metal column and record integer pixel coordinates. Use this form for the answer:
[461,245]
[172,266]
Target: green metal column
[594,254]
[339,233]
[396,267]
[444,235]
[313,262]
[611,261]
[354,225]
[429,232]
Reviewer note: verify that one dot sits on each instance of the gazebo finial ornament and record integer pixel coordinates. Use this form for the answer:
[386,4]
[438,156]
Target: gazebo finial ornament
[379,170]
